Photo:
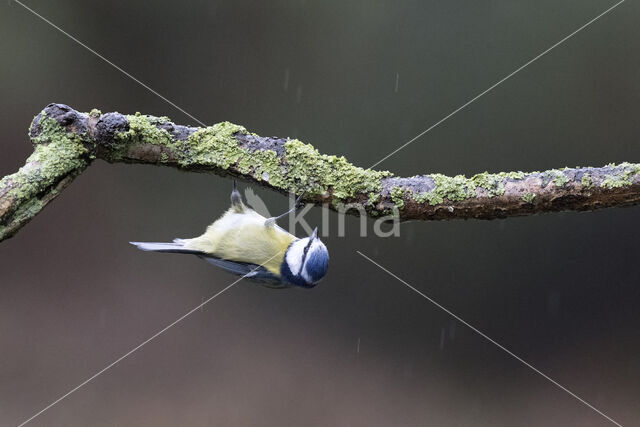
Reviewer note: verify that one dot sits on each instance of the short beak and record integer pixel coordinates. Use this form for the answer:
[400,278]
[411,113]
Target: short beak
[314,235]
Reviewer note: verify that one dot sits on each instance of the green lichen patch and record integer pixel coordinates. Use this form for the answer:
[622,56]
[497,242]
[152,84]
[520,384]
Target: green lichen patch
[492,183]
[528,197]
[448,188]
[560,179]
[141,131]
[302,168]
[397,196]
[27,210]
[459,187]
[621,177]
[56,154]
[555,176]
[315,173]
[517,175]
[216,146]
[453,188]
[95,113]
[587,181]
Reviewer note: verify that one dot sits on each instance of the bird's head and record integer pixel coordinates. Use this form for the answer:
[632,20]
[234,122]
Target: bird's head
[305,262]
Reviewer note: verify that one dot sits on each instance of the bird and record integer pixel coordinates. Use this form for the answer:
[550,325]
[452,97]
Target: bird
[247,244]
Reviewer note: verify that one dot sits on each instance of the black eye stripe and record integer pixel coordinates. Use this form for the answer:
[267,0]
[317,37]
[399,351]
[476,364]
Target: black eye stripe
[306,249]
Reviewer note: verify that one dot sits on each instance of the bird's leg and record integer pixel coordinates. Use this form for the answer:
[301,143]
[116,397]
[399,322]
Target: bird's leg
[271,221]
[236,198]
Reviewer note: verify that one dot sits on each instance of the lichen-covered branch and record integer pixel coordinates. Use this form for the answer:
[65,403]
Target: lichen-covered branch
[67,141]
[58,157]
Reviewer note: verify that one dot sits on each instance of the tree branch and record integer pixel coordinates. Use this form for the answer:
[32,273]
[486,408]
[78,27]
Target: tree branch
[66,142]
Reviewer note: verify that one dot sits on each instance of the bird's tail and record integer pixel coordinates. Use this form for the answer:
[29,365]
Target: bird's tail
[177,246]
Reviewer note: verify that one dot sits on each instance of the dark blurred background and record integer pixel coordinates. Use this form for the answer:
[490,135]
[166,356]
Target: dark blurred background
[358,79]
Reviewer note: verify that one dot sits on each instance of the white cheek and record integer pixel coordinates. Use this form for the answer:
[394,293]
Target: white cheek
[294,257]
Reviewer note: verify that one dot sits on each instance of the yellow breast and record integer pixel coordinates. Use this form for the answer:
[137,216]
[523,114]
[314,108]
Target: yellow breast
[244,237]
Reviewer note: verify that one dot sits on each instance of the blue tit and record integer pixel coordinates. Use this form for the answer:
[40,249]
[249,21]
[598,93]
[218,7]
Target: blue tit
[246,243]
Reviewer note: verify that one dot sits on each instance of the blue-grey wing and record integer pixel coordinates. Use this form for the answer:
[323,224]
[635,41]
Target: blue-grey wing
[250,271]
